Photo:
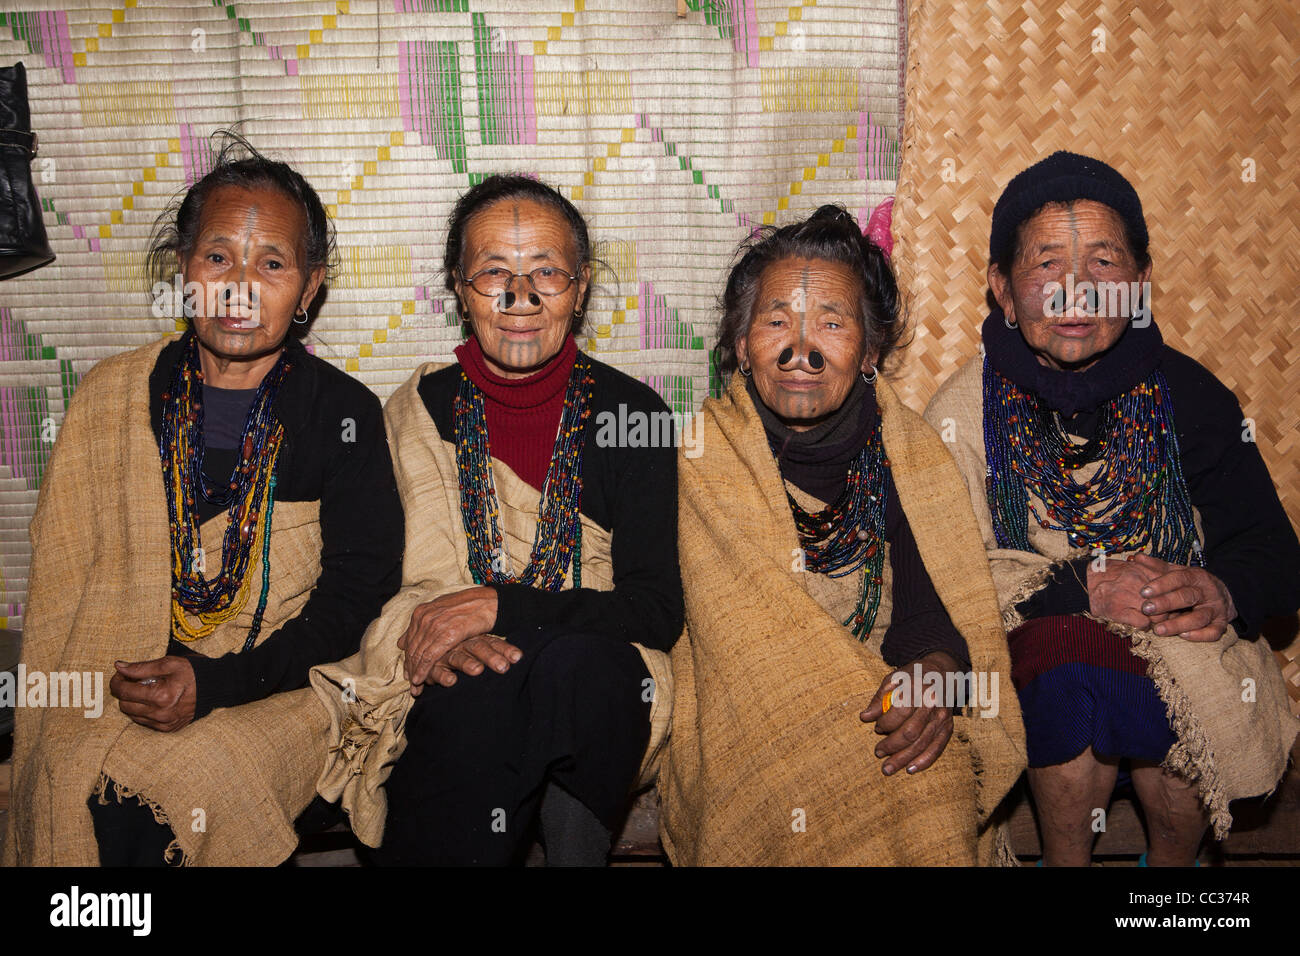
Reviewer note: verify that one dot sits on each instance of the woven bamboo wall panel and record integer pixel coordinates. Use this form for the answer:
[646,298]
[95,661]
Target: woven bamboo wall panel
[673,135]
[1195,102]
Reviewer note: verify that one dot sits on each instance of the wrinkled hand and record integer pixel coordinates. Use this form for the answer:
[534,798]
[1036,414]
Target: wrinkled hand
[450,634]
[1189,602]
[916,735]
[1115,594]
[486,650]
[158,694]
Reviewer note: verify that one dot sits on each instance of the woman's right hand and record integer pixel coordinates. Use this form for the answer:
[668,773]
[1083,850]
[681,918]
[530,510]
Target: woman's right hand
[449,634]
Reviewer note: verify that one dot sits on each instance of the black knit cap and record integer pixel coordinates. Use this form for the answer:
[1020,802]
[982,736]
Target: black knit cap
[1063,177]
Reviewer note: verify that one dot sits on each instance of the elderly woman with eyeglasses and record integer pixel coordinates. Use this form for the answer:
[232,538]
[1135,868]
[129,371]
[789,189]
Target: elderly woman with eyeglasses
[525,657]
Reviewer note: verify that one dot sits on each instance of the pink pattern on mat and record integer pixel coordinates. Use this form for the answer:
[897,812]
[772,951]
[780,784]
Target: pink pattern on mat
[55,42]
[745,21]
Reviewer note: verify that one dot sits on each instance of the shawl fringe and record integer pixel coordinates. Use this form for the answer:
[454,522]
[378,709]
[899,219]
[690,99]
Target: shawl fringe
[996,827]
[1003,854]
[123,793]
[1031,585]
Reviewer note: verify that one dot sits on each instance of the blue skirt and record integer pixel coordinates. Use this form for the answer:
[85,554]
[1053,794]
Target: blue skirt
[1082,686]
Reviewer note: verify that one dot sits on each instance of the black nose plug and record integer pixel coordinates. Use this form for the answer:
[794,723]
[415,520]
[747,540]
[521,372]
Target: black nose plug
[1092,301]
[815,359]
[505,300]
[533,299]
[784,357]
[1056,305]
[229,290]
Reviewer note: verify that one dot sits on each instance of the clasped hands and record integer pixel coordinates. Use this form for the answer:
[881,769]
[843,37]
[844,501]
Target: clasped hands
[1142,591]
[914,736]
[449,634]
[1145,592]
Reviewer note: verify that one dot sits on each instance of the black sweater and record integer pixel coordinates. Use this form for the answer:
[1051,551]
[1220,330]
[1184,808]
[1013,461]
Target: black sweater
[1249,543]
[345,465]
[631,493]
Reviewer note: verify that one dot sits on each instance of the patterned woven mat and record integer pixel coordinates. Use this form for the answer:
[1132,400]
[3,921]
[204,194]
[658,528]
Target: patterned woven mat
[673,135]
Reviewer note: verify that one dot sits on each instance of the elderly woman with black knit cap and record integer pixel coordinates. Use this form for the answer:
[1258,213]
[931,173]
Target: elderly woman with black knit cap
[1136,540]
[826,540]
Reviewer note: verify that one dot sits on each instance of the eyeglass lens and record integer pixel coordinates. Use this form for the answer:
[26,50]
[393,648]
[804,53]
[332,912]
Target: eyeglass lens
[547,280]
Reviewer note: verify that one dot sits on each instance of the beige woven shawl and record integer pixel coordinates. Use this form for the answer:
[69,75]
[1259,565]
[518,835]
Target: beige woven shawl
[768,762]
[366,695]
[1226,700]
[230,784]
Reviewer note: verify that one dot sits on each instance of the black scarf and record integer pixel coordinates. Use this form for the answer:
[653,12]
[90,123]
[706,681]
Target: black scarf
[817,461]
[1129,361]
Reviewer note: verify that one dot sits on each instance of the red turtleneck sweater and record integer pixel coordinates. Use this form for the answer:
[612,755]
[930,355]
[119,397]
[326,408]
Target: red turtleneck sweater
[523,414]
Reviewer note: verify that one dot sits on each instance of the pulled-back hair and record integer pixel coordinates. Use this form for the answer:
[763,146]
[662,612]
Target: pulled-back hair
[237,163]
[830,233]
[499,187]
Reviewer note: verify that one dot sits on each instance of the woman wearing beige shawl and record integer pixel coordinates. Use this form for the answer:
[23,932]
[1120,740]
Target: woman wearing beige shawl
[207,583]
[825,540]
[1085,441]
[522,670]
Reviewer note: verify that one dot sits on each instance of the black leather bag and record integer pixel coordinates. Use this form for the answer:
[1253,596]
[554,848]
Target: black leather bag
[23,243]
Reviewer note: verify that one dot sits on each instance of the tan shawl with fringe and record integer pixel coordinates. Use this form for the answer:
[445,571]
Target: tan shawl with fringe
[367,695]
[1225,700]
[231,784]
[768,761]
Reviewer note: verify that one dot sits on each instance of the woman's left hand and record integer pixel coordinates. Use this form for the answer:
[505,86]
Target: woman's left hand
[917,735]
[158,694]
[440,627]
[1198,604]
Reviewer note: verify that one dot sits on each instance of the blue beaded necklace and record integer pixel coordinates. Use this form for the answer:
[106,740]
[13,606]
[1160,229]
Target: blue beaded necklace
[557,541]
[849,534]
[249,497]
[1137,499]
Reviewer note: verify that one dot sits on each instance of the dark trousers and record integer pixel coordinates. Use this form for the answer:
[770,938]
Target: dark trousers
[573,711]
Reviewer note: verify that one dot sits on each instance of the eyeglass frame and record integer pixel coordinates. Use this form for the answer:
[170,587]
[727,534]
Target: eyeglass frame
[469,280]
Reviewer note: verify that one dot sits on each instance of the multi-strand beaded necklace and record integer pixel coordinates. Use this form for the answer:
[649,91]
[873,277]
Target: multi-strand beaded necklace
[558,538]
[849,534]
[249,498]
[1136,500]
